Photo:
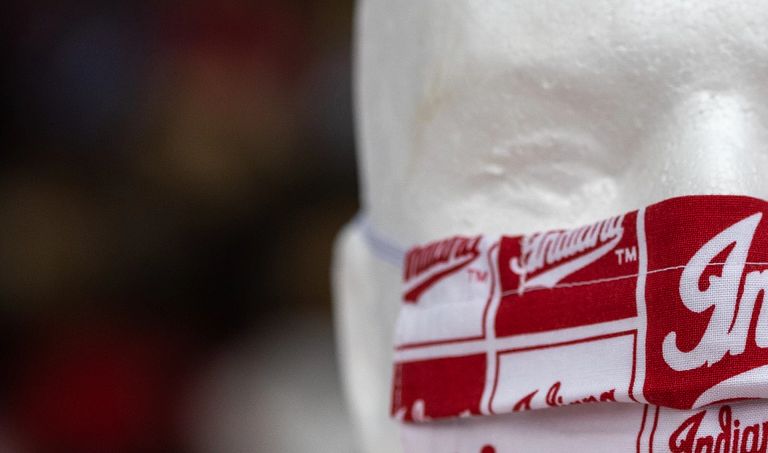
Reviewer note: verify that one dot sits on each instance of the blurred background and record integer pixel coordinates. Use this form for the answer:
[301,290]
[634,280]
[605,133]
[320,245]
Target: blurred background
[174,174]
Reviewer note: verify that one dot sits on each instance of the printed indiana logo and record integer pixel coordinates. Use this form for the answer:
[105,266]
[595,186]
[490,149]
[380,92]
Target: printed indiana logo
[427,265]
[720,431]
[547,258]
[707,337]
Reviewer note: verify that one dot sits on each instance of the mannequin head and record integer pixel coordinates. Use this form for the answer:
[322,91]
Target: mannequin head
[512,117]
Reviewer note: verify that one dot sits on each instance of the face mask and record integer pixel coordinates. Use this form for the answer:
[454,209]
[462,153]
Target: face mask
[661,307]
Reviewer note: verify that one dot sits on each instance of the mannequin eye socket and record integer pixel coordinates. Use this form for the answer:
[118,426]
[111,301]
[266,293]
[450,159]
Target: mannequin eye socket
[552,168]
[551,154]
[562,178]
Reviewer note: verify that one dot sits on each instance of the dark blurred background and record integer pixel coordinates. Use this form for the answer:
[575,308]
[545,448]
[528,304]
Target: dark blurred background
[174,174]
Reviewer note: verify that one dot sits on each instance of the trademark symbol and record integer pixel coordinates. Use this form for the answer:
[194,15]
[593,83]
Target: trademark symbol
[626,255]
[476,275]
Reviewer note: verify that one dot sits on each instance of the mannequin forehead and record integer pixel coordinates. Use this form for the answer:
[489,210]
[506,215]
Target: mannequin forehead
[554,101]
[523,30]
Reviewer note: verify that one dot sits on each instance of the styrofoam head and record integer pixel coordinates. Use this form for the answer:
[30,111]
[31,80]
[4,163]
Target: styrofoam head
[530,114]
[501,116]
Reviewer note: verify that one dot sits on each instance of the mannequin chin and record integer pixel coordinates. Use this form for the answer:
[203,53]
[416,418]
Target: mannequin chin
[513,117]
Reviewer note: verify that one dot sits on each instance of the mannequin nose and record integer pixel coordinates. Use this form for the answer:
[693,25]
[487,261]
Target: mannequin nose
[707,143]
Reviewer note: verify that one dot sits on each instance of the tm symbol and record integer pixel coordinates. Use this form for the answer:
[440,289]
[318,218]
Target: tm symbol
[476,275]
[626,255]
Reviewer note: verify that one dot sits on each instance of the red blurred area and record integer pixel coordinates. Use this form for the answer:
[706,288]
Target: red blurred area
[106,388]
[169,168]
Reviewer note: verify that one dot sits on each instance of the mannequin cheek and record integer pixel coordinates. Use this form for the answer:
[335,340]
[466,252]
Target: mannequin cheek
[514,200]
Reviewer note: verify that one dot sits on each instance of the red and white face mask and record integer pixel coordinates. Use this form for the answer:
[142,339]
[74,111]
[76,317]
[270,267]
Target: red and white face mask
[661,307]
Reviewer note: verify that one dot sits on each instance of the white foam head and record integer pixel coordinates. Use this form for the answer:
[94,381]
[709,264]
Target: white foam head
[515,116]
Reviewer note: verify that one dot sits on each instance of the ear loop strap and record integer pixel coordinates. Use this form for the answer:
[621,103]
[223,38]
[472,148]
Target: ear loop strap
[382,247]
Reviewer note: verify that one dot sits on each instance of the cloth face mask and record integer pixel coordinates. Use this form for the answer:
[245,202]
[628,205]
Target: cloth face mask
[662,307]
